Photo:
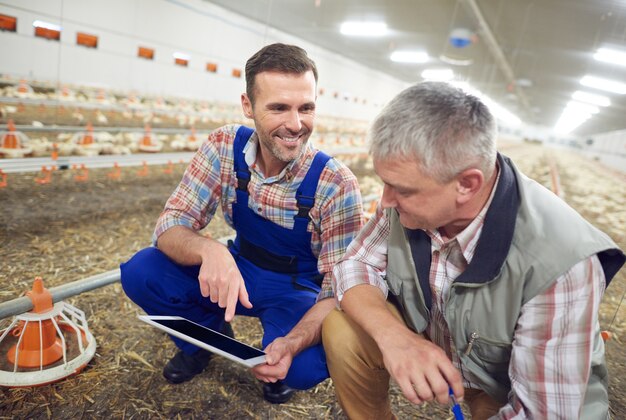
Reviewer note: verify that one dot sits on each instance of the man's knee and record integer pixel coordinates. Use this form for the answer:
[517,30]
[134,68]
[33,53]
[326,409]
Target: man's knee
[134,272]
[344,340]
[308,368]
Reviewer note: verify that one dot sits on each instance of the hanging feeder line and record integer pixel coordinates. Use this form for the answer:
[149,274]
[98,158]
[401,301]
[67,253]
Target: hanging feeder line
[24,304]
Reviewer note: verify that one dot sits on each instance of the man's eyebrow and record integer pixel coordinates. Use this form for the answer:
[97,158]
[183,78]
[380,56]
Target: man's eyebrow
[276,105]
[400,187]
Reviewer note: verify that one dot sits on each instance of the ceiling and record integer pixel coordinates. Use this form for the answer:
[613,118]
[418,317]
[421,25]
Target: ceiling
[527,55]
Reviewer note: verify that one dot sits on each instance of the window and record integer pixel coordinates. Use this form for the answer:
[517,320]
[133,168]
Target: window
[236,73]
[8,23]
[211,67]
[87,40]
[181,59]
[47,30]
[147,53]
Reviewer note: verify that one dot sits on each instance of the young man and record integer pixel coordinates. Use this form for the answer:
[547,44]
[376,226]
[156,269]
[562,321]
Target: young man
[470,277]
[294,209]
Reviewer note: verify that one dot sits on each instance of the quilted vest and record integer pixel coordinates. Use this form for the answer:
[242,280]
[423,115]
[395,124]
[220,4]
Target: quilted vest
[530,237]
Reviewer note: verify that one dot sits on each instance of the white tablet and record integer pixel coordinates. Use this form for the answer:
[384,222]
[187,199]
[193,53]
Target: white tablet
[207,338]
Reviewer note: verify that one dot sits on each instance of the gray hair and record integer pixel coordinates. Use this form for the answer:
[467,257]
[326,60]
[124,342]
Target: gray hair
[446,129]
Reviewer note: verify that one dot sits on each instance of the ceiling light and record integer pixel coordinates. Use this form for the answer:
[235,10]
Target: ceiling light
[611,56]
[568,123]
[574,114]
[524,83]
[364,28]
[581,108]
[456,61]
[440,75]
[591,98]
[603,84]
[409,57]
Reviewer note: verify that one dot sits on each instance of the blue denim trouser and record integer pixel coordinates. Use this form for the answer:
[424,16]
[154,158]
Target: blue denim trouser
[162,287]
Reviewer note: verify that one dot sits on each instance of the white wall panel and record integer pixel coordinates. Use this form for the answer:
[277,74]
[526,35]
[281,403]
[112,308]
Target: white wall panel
[195,27]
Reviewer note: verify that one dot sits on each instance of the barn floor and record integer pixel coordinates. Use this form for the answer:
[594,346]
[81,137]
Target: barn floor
[68,230]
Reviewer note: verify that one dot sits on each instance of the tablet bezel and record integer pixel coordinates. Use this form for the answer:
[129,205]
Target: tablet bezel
[152,320]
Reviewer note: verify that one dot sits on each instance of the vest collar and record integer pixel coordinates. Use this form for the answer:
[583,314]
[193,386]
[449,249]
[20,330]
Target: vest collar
[493,244]
[497,234]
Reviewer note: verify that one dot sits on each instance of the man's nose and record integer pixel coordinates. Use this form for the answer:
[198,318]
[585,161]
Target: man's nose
[388,200]
[293,122]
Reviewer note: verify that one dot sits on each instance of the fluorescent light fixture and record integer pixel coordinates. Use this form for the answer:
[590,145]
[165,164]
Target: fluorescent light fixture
[369,29]
[409,57]
[591,98]
[46,25]
[456,61]
[574,114]
[440,75]
[603,84]
[611,56]
[568,123]
[181,56]
[581,108]
[500,112]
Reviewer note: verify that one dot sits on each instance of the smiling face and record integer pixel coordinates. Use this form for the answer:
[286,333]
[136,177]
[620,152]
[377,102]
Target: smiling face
[283,113]
[421,202]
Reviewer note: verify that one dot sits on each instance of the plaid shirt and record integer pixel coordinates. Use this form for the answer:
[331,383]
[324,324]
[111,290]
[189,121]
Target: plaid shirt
[209,181]
[551,355]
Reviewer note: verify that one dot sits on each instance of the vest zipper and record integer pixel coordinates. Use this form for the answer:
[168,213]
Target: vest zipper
[473,338]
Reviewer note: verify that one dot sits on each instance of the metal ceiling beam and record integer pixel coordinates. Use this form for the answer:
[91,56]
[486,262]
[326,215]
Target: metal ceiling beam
[496,51]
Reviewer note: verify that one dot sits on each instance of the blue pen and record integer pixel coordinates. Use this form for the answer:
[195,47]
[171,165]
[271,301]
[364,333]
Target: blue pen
[456,408]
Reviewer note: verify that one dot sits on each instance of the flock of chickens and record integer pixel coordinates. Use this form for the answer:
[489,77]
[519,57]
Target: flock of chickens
[59,121]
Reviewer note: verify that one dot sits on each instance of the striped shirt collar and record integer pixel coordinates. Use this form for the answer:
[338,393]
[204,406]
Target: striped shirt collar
[467,239]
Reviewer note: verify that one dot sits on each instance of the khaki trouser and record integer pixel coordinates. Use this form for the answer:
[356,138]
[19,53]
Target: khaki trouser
[359,375]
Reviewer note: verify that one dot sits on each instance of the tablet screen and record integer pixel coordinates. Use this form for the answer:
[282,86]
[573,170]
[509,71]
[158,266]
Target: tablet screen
[212,338]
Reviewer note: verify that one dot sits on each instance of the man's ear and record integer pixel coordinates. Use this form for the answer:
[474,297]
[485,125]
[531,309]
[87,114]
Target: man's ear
[246,105]
[469,183]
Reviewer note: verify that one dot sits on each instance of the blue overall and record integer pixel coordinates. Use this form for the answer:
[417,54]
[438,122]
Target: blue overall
[276,263]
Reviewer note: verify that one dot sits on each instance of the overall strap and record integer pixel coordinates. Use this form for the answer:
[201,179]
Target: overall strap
[305,195]
[240,165]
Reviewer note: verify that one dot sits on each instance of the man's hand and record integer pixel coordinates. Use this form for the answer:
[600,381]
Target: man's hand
[279,355]
[420,368]
[221,281]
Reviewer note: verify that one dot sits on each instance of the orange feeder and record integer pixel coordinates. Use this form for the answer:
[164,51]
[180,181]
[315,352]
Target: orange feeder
[169,168]
[116,172]
[87,137]
[43,342]
[38,343]
[10,139]
[23,87]
[12,142]
[45,176]
[148,142]
[144,171]
[81,172]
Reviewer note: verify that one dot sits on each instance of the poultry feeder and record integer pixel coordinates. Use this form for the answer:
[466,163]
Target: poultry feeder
[148,142]
[86,142]
[45,345]
[13,143]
